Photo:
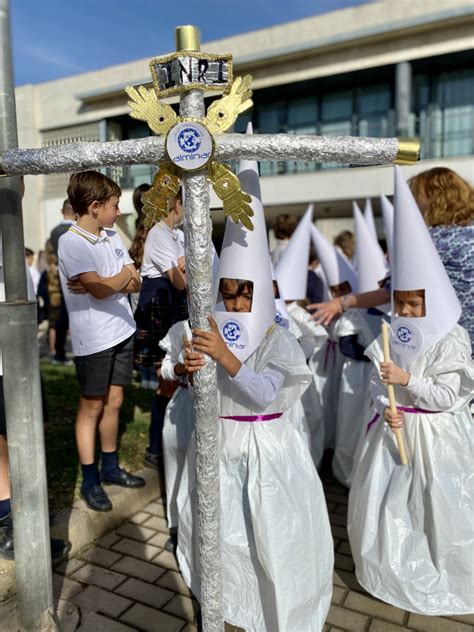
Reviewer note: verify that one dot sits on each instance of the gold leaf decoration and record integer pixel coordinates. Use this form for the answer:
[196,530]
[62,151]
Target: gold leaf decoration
[223,113]
[146,107]
[166,184]
[235,202]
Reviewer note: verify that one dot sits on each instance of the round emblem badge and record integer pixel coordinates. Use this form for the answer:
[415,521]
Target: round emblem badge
[189,145]
[404,334]
[407,337]
[189,139]
[231,331]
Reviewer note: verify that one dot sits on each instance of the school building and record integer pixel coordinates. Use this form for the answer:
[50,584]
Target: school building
[385,68]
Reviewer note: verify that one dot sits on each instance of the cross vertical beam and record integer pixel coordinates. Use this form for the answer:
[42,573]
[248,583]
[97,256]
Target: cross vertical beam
[198,231]
[21,382]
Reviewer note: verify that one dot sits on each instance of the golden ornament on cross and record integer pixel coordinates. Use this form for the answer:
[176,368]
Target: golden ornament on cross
[189,142]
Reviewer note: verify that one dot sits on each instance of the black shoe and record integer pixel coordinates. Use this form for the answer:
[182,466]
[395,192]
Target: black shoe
[6,522]
[59,548]
[154,460]
[123,479]
[6,546]
[96,499]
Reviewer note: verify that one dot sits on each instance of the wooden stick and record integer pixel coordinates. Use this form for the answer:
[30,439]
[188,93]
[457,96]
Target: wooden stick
[391,396]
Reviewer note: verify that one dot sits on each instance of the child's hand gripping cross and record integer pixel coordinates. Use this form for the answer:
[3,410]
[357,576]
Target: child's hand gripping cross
[393,374]
[212,344]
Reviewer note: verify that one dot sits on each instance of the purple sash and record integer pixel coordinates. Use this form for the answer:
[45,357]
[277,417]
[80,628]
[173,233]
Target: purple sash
[252,418]
[406,409]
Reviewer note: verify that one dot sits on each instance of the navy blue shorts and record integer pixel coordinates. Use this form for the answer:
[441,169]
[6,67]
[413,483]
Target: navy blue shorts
[97,371]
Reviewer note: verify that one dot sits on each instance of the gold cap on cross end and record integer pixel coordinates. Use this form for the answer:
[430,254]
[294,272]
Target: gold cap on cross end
[188,38]
[408,151]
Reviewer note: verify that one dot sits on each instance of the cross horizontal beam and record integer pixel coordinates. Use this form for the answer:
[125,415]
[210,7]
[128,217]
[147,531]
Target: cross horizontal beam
[151,150]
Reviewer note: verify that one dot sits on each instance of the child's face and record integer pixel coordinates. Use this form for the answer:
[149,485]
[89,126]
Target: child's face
[179,212]
[408,306]
[108,212]
[235,300]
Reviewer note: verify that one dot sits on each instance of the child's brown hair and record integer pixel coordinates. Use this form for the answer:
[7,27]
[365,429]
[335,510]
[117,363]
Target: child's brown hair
[405,295]
[242,285]
[86,187]
[137,248]
[284,226]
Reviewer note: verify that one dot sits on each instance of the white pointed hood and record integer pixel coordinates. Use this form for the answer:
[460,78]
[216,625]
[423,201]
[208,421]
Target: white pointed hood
[417,266]
[282,317]
[292,268]
[369,219]
[336,268]
[369,258]
[387,214]
[244,255]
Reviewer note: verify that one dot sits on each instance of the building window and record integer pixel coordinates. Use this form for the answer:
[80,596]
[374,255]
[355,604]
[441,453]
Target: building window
[360,111]
[374,113]
[56,183]
[444,109]
[301,118]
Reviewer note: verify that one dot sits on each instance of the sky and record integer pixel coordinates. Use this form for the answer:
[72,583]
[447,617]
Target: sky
[58,38]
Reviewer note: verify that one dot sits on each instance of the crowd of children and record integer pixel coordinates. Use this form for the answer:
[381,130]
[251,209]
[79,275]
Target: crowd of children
[292,384]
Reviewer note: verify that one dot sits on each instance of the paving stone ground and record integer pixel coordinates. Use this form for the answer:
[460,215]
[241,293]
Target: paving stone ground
[127,582]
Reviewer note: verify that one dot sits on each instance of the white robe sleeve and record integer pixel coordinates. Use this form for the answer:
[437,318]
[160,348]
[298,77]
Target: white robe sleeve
[261,388]
[440,394]
[378,390]
[167,368]
[172,344]
[307,345]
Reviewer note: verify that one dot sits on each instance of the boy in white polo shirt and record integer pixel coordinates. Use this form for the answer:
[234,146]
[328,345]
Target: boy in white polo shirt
[96,274]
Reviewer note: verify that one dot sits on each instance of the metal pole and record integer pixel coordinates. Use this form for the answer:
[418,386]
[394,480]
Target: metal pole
[21,384]
[198,231]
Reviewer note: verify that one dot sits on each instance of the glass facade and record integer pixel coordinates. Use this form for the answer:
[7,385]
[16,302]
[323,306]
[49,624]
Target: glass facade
[444,108]
[357,104]
[364,111]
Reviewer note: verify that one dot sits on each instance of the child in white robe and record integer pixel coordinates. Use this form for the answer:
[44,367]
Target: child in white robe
[276,541]
[327,361]
[411,527]
[291,277]
[356,329]
[178,424]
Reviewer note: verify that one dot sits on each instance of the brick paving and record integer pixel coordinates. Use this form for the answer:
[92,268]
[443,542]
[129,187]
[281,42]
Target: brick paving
[127,582]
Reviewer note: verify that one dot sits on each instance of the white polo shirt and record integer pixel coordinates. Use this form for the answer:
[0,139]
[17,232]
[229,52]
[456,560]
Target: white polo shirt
[163,247]
[95,325]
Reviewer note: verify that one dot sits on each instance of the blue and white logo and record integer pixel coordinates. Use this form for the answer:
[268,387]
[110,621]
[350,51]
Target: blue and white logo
[119,252]
[231,331]
[404,334]
[407,338]
[281,321]
[189,145]
[189,139]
